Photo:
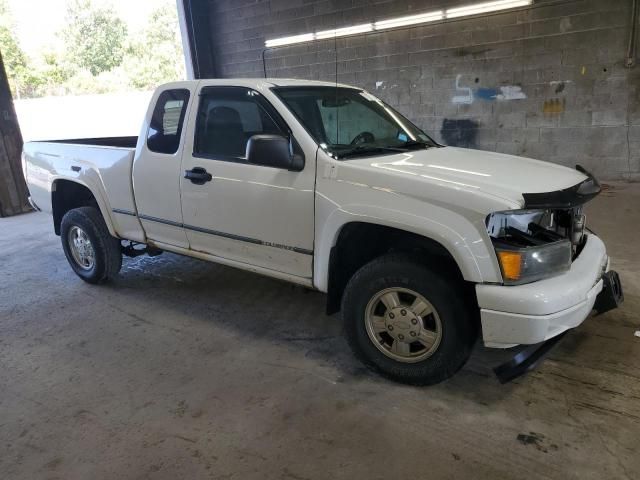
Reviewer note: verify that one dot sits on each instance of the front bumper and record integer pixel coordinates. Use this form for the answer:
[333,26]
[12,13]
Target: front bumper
[535,312]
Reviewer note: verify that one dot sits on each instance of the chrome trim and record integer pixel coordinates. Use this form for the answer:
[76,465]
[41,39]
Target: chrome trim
[81,248]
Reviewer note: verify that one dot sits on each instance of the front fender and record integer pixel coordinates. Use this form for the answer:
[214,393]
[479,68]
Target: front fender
[465,239]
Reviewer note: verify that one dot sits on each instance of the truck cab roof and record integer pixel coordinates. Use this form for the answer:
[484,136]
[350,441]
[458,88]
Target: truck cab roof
[260,82]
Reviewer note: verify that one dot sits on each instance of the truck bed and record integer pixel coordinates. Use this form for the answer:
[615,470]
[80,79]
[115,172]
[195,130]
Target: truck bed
[103,165]
[121,142]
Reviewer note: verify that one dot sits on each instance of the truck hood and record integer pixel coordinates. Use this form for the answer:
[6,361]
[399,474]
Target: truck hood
[488,174]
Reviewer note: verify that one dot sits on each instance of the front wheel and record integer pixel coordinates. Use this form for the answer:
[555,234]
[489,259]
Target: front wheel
[94,255]
[406,322]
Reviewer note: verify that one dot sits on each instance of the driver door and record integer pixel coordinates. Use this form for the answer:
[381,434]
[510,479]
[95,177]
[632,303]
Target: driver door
[254,214]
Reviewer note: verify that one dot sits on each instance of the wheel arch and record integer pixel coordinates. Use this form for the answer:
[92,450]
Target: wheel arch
[69,194]
[358,242]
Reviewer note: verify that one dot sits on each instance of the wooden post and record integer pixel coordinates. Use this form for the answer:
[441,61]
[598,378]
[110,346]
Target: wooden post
[13,188]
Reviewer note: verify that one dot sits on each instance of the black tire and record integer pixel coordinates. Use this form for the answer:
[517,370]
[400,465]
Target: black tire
[108,255]
[445,293]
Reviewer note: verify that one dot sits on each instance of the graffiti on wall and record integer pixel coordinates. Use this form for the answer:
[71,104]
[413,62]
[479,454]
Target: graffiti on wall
[553,106]
[459,132]
[511,92]
[466,95]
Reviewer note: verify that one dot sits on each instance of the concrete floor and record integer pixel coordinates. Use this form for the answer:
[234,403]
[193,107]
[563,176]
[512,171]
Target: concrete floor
[184,369]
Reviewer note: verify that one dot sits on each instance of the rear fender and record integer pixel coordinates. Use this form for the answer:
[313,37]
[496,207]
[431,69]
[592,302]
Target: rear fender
[91,181]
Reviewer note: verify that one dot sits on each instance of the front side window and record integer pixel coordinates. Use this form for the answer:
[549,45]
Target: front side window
[348,122]
[227,118]
[166,121]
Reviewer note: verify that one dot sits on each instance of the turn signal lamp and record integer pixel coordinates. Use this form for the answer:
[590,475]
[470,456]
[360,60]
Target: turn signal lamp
[511,265]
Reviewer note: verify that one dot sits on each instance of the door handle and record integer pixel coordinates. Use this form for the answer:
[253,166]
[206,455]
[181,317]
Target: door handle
[198,175]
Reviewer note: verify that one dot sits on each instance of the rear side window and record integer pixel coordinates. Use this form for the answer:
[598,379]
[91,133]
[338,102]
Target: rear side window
[166,122]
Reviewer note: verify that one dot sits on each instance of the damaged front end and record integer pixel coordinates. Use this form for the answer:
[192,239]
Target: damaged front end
[545,236]
[542,240]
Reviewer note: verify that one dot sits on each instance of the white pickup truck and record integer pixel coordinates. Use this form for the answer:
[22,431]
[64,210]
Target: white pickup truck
[422,247]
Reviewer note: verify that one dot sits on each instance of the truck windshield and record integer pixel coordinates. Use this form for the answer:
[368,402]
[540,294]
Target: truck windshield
[347,122]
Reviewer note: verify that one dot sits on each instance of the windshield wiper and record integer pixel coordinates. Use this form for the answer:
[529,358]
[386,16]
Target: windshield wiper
[364,150]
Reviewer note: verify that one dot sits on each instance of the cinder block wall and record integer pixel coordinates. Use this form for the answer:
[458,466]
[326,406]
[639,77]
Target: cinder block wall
[547,81]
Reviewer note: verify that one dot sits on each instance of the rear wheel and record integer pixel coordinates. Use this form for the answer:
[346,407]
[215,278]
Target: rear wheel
[94,255]
[407,322]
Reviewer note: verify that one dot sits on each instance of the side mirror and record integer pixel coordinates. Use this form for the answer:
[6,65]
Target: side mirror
[273,151]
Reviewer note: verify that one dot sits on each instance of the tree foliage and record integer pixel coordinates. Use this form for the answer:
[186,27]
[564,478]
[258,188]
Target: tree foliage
[155,56]
[21,79]
[95,37]
[99,54]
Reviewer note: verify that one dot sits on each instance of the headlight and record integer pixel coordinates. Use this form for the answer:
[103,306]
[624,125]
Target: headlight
[527,264]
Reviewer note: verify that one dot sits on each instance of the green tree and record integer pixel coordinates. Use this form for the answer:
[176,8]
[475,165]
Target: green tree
[155,56]
[98,56]
[22,80]
[95,38]
[54,72]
